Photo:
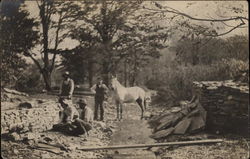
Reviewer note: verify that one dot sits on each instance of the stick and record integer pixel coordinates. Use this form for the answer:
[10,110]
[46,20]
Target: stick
[152,145]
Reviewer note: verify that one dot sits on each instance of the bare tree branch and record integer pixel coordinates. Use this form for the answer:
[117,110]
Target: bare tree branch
[34,60]
[174,11]
[216,35]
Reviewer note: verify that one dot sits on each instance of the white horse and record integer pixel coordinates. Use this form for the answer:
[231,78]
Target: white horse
[127,95]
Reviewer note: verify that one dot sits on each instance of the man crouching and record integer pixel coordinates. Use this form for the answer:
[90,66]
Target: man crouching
[70,123]
[86,113]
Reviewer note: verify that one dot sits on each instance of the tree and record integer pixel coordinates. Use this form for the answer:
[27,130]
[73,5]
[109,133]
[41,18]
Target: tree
[237,14]
[237,47]
[76,64]
[113,31]
[56,17]
[203,50]
[18,35]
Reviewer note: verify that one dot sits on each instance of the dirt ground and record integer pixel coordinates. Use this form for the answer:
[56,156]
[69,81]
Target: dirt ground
[131,130]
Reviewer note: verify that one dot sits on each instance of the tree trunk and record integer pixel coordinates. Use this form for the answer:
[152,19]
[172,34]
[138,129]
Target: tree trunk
[90,73]
[44,14]
[47,80]
[105,72]
[134,74]
[125,73]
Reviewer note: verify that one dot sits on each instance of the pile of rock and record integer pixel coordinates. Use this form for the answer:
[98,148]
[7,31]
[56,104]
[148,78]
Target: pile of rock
[187,118]
[226,103]
[37,119]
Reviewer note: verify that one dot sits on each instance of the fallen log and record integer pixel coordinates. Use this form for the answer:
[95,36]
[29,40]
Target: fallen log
[152,145]
[49,148]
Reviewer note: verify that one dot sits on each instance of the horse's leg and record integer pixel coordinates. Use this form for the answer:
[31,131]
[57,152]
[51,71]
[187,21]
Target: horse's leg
[145,104]
[121,108]
[140,103]
[117,109]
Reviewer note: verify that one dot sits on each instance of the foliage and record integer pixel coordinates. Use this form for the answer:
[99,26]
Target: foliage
[30,80]
[175,83]
[114,31]
[208,50]
[199,59]
[56,17]
[17,36]
[76,64]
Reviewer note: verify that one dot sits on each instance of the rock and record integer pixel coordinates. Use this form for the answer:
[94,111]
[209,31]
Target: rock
[108,129]
[45,155]
[184,103]
[193,113]
[24,120]
[147,115]
[175,109]
[162,133]
[182,126]
[72,146]
[47,139]
[40,101]
[15,137]
[100,124]
[197,123]
[16,128]
[15,151]
[25,105]
[31,136]
[212,88]
[165,122]
[177,118]
[185,111]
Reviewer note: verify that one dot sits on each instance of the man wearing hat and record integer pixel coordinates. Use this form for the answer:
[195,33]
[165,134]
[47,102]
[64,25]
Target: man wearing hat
[101,91]
[86,113]
[70,122]
[67,86]
[69,112]
[67,115]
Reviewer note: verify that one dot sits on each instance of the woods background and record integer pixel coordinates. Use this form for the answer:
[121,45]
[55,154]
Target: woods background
[149,44]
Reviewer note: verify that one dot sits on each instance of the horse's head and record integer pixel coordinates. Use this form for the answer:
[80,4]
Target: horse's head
[113,82]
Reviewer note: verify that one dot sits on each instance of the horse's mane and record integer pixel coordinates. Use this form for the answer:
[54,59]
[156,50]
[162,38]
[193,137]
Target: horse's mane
[118,83]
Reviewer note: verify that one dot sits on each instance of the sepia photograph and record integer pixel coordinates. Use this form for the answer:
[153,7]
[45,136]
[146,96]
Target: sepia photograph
[124,79]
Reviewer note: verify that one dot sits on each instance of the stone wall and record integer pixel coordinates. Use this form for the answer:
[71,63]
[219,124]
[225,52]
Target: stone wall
[227,104]
[37,119]
[41,117]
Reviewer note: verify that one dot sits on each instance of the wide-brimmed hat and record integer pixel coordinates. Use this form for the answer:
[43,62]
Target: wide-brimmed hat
[82,101]
[99,78]
[66,74]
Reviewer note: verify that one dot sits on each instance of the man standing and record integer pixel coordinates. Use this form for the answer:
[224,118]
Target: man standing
[67,86]
[101,91]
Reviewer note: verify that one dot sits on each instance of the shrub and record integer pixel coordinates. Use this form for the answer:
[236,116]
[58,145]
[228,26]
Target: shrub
[30,81]
[175,83]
